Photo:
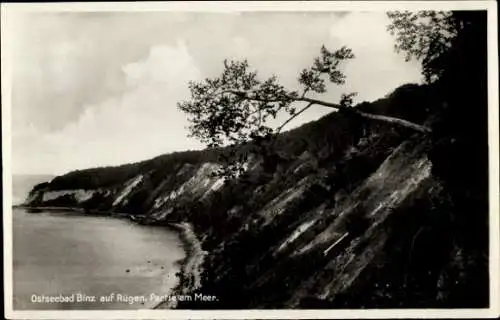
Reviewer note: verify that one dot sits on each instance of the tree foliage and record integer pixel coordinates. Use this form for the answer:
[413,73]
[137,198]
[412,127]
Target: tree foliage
[426,36]
[235,107]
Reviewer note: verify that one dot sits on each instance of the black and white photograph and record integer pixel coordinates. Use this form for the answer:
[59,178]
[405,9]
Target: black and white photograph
[245,160]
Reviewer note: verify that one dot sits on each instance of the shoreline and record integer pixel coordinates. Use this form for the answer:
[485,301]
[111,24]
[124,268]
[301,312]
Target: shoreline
[77,210]
[190,267]
[189,277]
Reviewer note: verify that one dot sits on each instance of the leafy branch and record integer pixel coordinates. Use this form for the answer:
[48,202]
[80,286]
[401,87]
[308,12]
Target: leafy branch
[235,107]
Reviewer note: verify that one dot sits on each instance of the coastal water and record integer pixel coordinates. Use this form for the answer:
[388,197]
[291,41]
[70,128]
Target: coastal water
[109,260]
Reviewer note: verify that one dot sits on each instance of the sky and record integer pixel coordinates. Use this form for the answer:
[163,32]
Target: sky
[101,88]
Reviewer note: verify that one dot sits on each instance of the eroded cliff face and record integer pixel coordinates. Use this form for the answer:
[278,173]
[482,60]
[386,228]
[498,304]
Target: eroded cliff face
[363,226]
[311,242]
[189,181]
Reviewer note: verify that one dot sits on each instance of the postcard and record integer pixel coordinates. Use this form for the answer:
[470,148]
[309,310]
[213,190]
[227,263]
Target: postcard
[250,160]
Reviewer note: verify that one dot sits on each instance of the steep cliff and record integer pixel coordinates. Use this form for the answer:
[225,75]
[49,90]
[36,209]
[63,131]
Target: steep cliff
[349,214]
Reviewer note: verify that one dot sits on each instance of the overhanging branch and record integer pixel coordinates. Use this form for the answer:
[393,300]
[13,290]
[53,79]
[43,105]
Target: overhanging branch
[377,117]
[295,115]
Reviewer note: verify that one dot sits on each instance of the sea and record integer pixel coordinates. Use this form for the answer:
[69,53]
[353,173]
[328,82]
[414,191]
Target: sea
[69,261]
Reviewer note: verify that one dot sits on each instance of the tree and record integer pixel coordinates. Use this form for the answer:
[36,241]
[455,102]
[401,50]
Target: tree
[452,47]
[424,35]
[235,107]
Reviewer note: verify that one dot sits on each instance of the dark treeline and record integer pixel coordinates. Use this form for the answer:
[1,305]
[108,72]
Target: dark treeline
[114,175]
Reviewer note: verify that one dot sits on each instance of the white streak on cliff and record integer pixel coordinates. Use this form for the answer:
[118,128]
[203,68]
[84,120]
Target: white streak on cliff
[80,195]
[278,205]
[217,184]
[297,232]
[199,185]
[128,188]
